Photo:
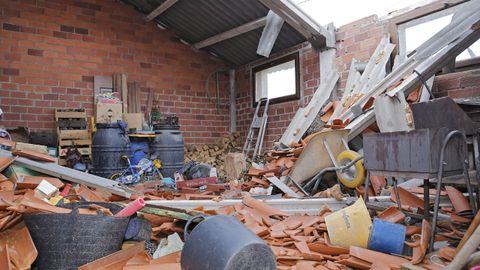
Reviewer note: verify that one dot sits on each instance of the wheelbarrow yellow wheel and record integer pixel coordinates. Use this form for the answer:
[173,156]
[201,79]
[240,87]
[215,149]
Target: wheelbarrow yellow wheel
[353,176]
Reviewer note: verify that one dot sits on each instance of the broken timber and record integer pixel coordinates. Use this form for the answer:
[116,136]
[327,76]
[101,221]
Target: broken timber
[424,62]
[305,116]
[358,85]
[71,175]
[269,34]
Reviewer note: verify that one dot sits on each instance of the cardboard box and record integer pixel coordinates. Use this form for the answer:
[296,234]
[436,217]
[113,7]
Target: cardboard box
[108,113]
[134,120]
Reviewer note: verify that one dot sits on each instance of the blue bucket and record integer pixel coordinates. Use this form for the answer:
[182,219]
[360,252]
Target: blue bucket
[387,237]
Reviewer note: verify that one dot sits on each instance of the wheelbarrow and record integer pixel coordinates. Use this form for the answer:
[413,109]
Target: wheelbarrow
[329,151]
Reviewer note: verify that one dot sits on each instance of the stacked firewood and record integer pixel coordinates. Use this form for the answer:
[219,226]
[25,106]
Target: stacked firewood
[214,154]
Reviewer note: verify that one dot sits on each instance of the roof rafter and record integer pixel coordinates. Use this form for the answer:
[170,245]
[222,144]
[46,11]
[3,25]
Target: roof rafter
[258,23]
[160,9]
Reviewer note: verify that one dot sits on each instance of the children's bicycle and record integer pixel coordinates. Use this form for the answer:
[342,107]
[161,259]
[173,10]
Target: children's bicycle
[145,170]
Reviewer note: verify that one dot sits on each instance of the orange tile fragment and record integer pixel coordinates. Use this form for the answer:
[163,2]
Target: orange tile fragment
[31,182]
[392,214]
[329,250]
[5,162]
[33,155]
[263,208]
[7,143]
[459,202]
[119,257]
[5,262]
[22,249]
[447,253]
[406,198]
[374,256]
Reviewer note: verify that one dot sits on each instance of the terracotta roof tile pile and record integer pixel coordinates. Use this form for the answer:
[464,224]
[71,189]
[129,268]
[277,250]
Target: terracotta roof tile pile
[298,241]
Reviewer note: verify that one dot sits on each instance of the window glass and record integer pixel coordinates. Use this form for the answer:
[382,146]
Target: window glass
[413,33]
[277,81]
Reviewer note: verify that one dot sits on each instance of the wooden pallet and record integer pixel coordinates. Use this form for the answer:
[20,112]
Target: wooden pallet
[74,134]
[62,160]
[72,129]
[71,119]
[84,150]
[70,114]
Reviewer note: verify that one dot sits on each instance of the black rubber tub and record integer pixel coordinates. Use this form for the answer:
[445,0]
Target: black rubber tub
[67,241]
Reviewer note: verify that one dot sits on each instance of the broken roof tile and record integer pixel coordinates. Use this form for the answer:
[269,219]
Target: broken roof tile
[262,207]
[374,256]
[392,214]
[329,250]
[356,263]
[406,198]
[33,155]
[5,162]
[20,242]
[459,202]
[7,142]
[114,258]
[31,182]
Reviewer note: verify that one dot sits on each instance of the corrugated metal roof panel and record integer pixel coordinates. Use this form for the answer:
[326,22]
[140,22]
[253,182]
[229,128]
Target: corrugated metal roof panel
[194,21]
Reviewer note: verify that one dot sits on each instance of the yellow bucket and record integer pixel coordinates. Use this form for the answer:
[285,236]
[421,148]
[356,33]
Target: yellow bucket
[350,226]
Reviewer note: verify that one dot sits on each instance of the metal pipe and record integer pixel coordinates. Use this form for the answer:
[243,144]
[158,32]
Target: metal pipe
[452,134]
[233,109]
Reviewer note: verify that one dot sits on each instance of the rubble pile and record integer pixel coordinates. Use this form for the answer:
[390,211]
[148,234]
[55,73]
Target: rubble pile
[299,241]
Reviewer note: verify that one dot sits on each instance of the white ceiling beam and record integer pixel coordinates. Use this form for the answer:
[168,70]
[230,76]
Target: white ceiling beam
[270,33]
[244,28]
[160,9]
[300,21]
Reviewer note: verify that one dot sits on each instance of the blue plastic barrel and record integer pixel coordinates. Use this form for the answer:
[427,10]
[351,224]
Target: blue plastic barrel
[387,237]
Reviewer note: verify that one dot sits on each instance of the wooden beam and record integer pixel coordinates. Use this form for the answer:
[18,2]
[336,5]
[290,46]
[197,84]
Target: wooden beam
[300,21]
[231,33]
[160,9]
[269,34]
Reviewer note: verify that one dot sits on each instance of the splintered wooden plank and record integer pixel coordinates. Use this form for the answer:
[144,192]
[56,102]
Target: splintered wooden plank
[305,116]
[73,134]
[298,127]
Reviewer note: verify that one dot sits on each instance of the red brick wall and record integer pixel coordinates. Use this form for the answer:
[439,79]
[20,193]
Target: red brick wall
[458,84]
[51,49]
[355,40]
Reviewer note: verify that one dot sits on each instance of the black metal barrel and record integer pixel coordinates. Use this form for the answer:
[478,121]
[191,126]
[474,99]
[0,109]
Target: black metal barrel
[109,144]
[168,148]
[223,243]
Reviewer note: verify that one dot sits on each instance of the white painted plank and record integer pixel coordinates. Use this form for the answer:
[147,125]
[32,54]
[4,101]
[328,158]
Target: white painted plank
[269,34]
[390,113]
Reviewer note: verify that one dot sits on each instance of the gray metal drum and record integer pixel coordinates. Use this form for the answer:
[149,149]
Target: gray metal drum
[109,144]
[223,243]
[168,148]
